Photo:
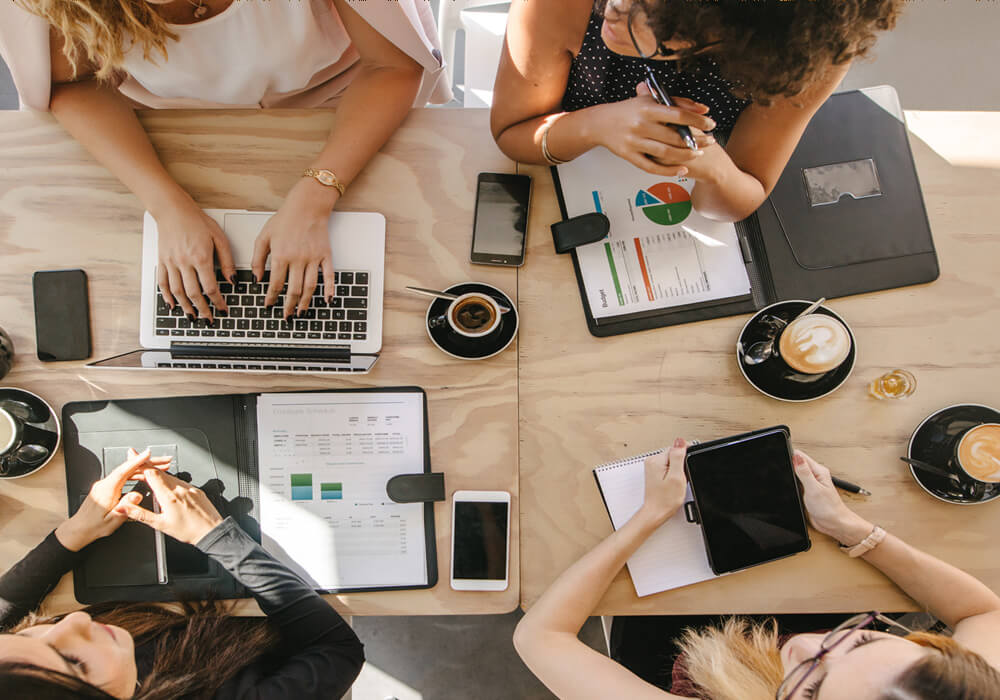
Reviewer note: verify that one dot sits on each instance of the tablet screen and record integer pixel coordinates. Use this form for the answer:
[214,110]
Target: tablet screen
[748,500]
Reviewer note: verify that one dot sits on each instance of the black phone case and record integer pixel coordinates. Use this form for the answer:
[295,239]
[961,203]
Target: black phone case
[80,306]
[705,446]
[507,260]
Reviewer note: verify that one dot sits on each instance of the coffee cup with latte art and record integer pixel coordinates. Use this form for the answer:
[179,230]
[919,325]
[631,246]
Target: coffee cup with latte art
[814,344]
[978,453]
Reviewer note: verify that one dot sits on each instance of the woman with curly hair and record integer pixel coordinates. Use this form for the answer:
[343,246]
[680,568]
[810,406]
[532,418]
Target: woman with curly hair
[572,74]
[743,661]
[92,61]
[302,650]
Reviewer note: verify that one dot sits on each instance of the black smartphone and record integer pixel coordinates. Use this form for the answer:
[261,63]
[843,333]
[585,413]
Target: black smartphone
[500,226]
[747,499]
[62,315]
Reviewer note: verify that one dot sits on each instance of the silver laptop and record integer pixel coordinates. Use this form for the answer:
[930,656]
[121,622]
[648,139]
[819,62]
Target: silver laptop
[343,334]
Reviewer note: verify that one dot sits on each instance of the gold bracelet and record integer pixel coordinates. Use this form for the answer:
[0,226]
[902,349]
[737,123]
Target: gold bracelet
[546,154]
[325,177]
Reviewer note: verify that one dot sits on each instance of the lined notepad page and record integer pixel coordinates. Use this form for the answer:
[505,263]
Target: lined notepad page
[674,555]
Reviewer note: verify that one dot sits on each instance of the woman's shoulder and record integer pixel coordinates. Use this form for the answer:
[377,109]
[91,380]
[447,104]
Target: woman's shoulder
[554,24]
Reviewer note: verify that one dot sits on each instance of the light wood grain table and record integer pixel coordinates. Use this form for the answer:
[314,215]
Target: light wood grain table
[585,401]
[59,209]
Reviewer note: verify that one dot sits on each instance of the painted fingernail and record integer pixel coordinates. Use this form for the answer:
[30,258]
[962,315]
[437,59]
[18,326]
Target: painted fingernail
[682,171]
[232,280]
[679,442]
[799,461]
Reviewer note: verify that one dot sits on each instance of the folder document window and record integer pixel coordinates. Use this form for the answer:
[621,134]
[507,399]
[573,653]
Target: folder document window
[335,484]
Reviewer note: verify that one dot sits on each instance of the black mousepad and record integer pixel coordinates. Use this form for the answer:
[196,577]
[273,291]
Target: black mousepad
[775,378]
[934,442]
[473,348]
[40,427]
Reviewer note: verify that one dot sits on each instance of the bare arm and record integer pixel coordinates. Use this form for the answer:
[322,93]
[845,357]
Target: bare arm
[542,37]
[97,116]
[733,182]
[961,601]
[371,109]
[546,638]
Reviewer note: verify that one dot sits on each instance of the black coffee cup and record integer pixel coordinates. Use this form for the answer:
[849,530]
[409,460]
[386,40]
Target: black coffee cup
[6,353]
[29,433]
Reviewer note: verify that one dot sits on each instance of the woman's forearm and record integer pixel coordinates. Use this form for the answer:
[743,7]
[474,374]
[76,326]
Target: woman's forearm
[372,108]
[946,591]
[568,602]
[99,118]
[725,193]
[571,134]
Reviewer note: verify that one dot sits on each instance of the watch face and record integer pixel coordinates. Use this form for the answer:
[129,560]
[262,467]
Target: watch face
[326,177]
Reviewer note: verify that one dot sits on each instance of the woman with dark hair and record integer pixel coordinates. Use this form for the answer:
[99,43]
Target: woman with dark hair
[743,661]
[572,77]
[302,650]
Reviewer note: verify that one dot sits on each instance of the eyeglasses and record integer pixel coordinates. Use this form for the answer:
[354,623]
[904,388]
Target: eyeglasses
[795,680]
[660,51]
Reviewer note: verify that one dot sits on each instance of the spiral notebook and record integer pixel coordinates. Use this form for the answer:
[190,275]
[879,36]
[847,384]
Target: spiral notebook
[674,555]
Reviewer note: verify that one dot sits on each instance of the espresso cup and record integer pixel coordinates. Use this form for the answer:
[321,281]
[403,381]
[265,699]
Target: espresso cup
[473,315]
[814,344]
[977,453]
[6,353]
[10,433]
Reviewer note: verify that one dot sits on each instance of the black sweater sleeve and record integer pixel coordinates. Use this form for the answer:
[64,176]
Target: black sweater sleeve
[321,654]
[24,586]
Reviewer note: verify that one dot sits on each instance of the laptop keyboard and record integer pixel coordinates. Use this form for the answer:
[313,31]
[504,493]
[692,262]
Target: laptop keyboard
[342,318]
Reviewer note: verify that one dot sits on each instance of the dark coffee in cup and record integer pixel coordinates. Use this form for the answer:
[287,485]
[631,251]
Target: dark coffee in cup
[473,314]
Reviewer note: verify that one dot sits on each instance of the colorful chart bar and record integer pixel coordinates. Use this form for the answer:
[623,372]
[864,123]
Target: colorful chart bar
[331,491]
[302,487]
[614,274]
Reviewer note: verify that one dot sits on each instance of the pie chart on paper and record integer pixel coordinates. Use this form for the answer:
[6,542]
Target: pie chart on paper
[665,203]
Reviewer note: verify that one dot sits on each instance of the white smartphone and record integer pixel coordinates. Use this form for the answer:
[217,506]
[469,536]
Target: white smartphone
[480,540]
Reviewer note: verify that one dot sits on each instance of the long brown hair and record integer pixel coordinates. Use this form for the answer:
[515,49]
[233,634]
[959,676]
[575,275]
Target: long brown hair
[197,647]
[102,31]
[740,661]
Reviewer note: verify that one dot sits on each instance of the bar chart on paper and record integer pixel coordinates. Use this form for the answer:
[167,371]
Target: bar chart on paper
[325,460]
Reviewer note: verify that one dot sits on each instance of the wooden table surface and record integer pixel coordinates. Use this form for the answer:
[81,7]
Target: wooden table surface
[584,401]
[59,209]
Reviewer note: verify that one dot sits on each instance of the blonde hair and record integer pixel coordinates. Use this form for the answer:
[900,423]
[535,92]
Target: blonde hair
[101,31]
[737,661]
[740,661]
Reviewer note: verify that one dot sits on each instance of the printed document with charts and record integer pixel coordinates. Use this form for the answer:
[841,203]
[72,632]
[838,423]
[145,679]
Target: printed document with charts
[661,252]
[674,555]
[324,461]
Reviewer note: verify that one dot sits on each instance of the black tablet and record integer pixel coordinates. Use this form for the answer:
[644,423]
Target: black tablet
[747,499]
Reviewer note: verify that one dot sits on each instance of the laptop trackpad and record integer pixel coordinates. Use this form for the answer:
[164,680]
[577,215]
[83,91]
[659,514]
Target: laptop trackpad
[242,229]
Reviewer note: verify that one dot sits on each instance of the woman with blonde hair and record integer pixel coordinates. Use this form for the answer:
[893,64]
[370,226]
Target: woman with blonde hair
[744,661]
[92,61]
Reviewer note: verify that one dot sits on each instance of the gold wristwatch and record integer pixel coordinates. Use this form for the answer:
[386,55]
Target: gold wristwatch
[325,177]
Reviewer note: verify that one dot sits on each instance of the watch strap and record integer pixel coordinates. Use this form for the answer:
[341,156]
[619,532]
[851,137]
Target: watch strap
[873,540]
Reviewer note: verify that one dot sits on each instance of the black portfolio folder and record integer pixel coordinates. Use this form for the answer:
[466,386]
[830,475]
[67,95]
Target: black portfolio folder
[846,217]
[218,438]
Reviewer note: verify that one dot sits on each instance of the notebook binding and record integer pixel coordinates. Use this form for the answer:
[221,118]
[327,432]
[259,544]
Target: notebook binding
[623,462]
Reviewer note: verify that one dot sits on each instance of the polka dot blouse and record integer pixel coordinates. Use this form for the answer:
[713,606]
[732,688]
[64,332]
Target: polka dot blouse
[598,75]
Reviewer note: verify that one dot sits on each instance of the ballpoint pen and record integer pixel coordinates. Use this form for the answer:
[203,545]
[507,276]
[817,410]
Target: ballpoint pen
[660,96]
[849,487]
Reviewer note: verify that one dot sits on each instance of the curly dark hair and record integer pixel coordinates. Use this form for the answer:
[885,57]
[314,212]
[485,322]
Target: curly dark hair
[770,48]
